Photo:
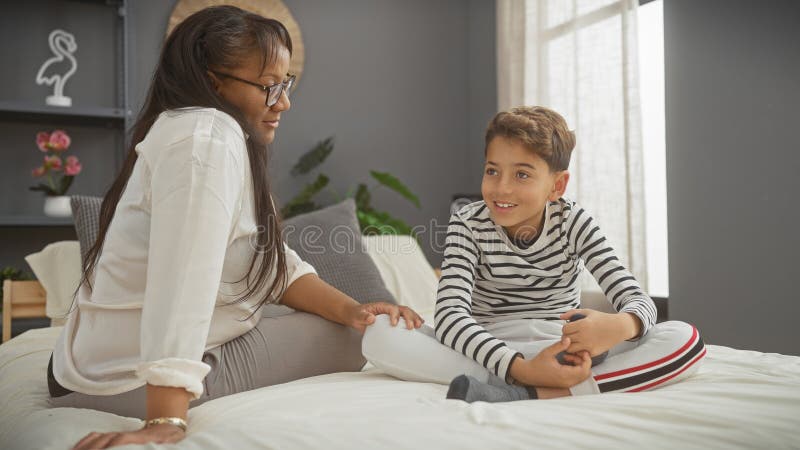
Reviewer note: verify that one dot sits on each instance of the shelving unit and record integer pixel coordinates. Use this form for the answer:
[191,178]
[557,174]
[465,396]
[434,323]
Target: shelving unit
[97,121]
[20,220]
[85,115]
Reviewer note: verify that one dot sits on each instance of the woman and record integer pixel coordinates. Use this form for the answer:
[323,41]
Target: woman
[167,307]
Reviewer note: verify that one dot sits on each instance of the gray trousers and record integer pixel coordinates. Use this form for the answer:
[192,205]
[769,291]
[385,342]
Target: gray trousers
[282,347]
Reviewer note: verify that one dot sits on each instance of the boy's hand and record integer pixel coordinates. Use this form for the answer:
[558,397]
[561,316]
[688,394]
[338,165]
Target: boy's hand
[362,316]
[544,370]
[597,332]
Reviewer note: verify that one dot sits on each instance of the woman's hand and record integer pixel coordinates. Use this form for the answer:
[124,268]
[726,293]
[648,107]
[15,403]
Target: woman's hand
[159,434]
[544,370]
[598,331]
[311,294]
[362,316]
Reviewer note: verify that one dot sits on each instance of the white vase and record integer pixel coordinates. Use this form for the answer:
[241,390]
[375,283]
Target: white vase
[57,206]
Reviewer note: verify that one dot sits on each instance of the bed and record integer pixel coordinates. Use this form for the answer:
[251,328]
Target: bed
[737,399]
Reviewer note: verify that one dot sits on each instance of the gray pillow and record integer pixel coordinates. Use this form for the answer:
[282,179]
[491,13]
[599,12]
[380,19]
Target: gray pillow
[86,214]
[330,240]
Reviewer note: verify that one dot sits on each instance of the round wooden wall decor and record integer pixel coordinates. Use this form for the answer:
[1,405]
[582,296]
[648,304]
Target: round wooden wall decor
[273,9]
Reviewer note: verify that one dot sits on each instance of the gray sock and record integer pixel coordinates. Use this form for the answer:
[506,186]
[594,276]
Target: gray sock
[469,389]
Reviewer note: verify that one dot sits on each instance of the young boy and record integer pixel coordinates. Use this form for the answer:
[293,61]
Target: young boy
[508,302]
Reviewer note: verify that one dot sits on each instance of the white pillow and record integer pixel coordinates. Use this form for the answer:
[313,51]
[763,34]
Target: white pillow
[405,271]
[58,269]
[592,296]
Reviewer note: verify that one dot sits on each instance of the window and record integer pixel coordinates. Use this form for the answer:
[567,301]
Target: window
[651,87]
[582,58]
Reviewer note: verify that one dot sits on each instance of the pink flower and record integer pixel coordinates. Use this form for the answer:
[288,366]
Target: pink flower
[59,141]
[38,172]
[73,166]
[52,162]
[42,140]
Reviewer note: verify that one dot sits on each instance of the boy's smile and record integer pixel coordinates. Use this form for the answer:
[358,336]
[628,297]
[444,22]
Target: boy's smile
[517,184]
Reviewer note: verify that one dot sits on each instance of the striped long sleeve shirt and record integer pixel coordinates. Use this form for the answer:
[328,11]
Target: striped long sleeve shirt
[487,278]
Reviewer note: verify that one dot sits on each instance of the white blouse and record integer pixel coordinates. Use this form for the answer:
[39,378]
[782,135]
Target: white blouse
[182,235]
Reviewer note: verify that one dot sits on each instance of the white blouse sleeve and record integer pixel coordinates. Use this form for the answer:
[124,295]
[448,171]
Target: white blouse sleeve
[295,267]
[196,191]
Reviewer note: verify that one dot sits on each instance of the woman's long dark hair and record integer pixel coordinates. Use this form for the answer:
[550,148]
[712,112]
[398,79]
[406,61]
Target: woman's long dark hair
[219,37]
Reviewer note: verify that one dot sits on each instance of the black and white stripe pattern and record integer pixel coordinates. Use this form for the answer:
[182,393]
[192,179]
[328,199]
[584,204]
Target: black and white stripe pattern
[487,278]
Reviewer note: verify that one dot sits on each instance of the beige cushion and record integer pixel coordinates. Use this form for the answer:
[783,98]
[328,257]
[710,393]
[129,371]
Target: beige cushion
[405,271]
[592,299]
[58,269]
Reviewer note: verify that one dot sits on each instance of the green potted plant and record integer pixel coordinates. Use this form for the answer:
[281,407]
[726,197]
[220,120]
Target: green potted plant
[371,219]
[12,273]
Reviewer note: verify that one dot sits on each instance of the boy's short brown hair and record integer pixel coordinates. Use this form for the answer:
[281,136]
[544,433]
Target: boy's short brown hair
[540,129]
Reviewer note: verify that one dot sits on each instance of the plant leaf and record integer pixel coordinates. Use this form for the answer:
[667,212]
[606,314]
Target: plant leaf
[312,189]
[396,185]
[313,157]
[379,222]
[369,222]
[363,198]
[42,187]
[304,197]
[66,182]
[296,209]
[12,273]
[398,226]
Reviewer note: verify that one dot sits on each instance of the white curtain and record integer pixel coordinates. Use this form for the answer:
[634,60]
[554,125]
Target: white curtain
[579,57]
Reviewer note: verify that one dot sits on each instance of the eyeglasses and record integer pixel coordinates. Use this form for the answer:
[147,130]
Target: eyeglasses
[273,92]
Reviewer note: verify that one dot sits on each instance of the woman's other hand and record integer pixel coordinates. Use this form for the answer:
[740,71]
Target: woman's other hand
[159,434]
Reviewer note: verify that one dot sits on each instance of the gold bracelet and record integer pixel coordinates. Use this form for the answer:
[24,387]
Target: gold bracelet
[177,421]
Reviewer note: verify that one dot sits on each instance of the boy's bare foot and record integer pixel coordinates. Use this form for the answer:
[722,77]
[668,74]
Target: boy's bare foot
[546,392]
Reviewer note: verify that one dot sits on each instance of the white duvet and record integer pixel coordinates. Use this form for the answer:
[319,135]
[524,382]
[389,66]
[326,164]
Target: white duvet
[738,399]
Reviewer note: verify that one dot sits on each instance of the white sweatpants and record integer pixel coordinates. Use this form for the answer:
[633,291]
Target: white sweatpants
[668,353]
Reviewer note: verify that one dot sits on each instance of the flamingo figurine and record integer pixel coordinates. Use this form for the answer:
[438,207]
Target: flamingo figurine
[63,45]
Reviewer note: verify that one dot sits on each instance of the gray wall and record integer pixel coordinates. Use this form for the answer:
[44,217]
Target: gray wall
[389,79]
[482,85]
[732,96]
[405,86]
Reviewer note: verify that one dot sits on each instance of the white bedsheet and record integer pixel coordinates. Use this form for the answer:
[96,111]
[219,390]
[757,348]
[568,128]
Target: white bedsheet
[738,399]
